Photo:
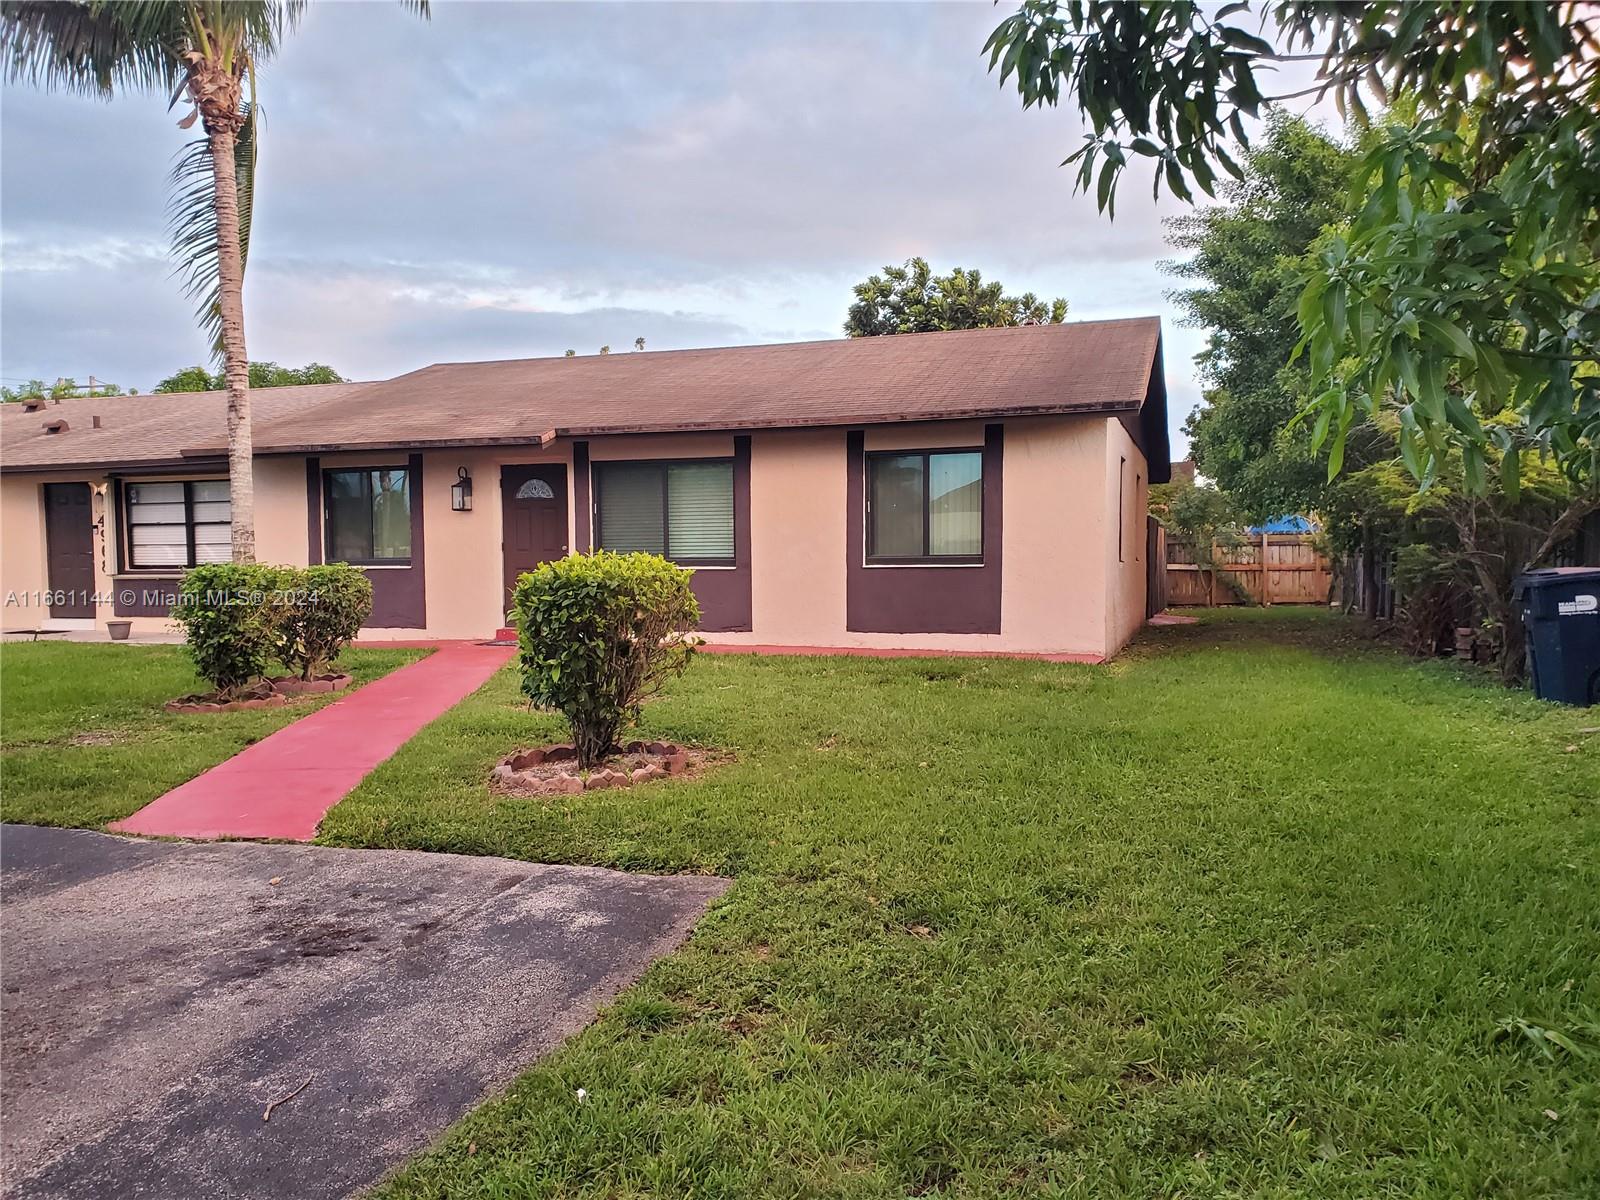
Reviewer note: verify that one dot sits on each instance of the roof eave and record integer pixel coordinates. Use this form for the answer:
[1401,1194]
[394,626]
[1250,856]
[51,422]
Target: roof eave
[118,465]
[1108,408]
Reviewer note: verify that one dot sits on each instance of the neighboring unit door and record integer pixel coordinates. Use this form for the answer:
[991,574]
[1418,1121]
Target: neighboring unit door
[69,549]
[533,502]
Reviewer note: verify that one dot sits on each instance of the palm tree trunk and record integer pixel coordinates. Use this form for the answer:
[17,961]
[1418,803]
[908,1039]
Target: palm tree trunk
[236,360]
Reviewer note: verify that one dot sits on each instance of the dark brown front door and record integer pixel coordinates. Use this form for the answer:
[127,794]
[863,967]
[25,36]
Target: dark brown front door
[69,549]
[533,502]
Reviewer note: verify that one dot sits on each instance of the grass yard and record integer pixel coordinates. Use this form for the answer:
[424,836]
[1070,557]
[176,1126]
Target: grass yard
[1237,915]
[84,740]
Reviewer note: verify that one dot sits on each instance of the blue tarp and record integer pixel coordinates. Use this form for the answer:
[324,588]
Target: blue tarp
[1284,525]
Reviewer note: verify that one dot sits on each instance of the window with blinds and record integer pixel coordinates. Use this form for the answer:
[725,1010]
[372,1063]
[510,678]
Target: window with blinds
[681,510]
[177,524]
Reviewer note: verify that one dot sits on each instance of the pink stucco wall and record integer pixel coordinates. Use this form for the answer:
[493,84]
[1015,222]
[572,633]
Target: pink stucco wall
[22,549]
[1055,571]
[23,559]
[1127,481]
[1065,590]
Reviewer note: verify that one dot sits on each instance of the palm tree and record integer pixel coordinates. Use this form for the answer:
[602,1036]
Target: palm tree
[205,52]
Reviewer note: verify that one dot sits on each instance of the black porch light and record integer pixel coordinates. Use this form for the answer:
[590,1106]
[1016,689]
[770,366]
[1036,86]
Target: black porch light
[461,492]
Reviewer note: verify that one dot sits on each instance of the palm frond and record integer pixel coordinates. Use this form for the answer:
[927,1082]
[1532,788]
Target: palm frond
[192,221]
[250,28]
[94,48]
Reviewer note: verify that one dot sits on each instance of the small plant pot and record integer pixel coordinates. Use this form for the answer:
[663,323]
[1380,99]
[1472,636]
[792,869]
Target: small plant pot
[119,630]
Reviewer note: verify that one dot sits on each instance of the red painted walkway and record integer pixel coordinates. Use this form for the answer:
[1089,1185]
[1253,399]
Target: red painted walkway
[281,786]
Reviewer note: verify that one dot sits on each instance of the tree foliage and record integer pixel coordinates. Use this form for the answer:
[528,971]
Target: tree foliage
[912,299]
[1456,553]
[1465,286]
[1205,518]
[262,375]
[1243,265]
[61,389]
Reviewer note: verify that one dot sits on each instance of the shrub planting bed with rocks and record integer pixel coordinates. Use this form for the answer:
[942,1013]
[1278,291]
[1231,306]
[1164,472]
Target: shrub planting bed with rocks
[264,693]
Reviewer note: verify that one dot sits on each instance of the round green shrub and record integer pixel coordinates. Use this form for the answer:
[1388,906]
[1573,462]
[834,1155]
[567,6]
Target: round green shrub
[230,618]
[325,607]
[599,633]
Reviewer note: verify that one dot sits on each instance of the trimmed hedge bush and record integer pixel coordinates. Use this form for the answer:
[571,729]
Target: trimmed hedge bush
[599,633]
[324,608]
[229,621]
[238,618]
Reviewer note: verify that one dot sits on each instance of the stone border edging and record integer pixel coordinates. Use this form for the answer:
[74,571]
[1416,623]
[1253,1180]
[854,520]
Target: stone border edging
[269,693]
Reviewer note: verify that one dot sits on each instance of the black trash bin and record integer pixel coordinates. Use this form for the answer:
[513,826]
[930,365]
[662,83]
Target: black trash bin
[1561,612]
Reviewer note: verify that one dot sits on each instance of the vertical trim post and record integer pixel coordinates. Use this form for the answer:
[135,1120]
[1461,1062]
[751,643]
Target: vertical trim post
[582,506]
[313,511]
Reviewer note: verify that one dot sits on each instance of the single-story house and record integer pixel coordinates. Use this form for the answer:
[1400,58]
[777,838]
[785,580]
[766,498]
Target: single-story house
[980,490]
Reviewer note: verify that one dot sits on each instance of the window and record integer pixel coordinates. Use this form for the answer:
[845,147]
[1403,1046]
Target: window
[925,505]
[177,524]
[1122,503]
[1138,497]
[682,510]
[369,515]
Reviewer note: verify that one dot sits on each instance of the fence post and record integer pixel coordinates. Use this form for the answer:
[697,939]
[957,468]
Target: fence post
[1266,573]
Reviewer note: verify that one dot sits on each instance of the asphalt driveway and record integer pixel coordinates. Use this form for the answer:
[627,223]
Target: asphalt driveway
[158,996]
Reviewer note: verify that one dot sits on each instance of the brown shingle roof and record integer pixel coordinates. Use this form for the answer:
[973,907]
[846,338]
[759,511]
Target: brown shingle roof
[1086,366]
[146,430]
[1083,366]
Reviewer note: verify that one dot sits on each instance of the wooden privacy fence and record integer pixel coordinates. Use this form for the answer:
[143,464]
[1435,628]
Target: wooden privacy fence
[1271,568]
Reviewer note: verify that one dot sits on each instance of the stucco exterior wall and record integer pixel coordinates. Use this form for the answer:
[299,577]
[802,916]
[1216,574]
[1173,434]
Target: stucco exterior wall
[1053,597]
[464,578]
[22,551]
[24,562]
[1127,482]
[1064,588]
[281,511]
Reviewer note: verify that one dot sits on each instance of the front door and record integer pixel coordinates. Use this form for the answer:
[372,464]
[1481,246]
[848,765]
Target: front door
[69,549]
[533,502]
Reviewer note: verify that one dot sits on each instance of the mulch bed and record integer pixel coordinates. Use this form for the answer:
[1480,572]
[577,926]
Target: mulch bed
[264,693]
[553,770]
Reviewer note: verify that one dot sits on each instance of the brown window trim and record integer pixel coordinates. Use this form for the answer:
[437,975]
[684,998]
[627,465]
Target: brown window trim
[597,469]
[125,563]
[327,512]
[922,560]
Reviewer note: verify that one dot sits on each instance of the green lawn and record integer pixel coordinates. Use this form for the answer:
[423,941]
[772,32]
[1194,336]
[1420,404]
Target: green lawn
[1237,915]
[84,740]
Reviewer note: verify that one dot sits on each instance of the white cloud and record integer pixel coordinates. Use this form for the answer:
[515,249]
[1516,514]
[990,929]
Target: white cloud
[513,179]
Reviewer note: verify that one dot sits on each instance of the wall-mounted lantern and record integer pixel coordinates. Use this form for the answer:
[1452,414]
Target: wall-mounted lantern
[461,492]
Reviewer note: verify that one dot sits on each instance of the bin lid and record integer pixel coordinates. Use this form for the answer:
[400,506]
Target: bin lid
[1553,577]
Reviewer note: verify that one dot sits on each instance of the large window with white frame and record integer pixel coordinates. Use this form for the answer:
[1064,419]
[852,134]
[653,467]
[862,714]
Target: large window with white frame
[680,510]
[174,524]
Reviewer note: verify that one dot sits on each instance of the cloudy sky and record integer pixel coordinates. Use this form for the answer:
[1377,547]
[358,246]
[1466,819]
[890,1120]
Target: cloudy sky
[512,180]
